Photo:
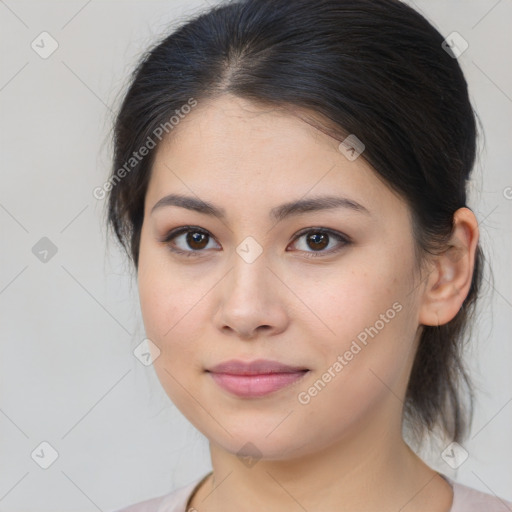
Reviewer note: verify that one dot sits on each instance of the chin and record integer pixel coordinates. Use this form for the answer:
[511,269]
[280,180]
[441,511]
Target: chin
[252,444]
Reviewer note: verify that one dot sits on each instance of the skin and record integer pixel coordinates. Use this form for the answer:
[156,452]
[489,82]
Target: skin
[343,450]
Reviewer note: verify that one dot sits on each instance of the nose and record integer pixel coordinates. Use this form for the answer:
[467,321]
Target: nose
[251,301]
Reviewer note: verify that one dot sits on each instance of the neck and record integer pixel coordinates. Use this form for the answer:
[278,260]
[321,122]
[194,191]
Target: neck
[372,469]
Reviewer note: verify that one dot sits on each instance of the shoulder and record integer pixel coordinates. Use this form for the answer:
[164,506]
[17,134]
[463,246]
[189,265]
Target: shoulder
[467,499]
[175,501]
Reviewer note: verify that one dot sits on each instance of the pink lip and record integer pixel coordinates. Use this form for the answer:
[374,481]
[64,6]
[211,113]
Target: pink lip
[255,378]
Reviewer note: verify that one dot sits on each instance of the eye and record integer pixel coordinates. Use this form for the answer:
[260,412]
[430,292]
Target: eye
[320,238]
[192,241]
[182,239]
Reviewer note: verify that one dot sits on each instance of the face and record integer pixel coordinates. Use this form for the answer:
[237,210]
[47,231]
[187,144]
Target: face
[327,289]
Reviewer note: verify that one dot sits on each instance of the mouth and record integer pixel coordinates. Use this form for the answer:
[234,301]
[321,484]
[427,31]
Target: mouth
[255,379]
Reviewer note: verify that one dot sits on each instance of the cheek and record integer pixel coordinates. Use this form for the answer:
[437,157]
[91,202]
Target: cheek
[170,313]
[165,295]
[173,302]
[170,321]
[365,313]
[364,369]
[342,302]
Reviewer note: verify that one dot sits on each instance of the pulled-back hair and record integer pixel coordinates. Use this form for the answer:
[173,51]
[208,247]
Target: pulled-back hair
[373,68]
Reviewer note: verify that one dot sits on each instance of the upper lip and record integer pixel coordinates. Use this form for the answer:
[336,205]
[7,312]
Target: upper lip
[256,367]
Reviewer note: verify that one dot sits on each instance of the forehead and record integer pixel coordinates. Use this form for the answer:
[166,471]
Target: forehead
[229,128]
[235,149]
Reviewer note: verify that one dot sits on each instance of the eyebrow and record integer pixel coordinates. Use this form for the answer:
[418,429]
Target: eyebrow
[277,213]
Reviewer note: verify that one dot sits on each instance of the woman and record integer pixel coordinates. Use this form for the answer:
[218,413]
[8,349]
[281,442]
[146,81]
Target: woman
[290,183]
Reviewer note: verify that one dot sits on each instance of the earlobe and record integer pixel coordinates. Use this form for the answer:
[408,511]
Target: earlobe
[449,280]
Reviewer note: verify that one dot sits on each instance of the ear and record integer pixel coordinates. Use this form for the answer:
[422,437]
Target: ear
[449,280]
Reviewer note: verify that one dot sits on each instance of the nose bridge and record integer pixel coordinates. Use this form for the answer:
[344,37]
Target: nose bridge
[250,273]
[248,298]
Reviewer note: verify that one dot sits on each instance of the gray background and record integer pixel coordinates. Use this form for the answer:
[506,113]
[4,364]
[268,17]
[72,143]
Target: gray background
[69,324]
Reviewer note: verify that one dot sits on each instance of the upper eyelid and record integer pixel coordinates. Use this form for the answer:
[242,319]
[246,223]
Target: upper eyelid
[183,230]
[329,231]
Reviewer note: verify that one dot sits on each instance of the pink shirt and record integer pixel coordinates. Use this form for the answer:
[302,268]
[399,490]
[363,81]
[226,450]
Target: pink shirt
[465,499]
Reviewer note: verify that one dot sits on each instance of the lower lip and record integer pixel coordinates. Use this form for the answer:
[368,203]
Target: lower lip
[256,385]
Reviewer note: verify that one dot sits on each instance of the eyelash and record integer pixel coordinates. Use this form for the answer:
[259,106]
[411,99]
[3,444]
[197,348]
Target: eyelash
[343,239]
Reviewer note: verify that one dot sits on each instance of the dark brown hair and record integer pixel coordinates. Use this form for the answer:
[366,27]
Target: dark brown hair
[373,68]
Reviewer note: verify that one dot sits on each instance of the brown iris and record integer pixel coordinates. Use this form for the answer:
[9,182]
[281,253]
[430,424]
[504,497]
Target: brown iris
[197,240]
[320,240]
